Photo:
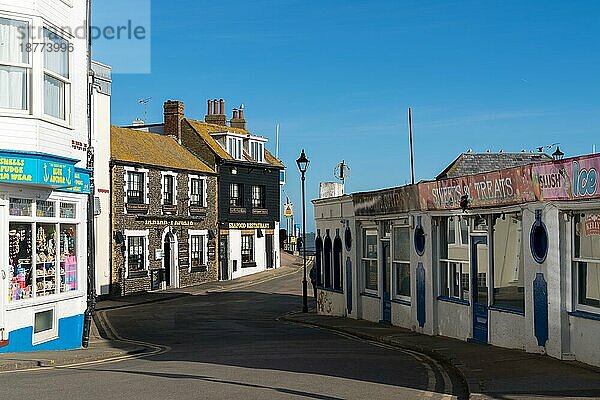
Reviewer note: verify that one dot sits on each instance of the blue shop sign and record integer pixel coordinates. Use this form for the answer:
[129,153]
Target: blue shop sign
[42,169]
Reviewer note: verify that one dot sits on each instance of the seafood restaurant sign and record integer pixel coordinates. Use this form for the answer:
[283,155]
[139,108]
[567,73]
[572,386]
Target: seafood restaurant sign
[506,187]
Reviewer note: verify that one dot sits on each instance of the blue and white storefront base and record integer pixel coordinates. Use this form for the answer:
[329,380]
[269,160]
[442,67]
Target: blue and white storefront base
[43,209]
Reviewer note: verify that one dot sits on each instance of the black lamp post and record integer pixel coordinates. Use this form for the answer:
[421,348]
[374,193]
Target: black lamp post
[558,155]
[303,164]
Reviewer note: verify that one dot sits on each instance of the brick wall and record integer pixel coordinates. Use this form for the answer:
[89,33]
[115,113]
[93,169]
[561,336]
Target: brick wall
[121,284]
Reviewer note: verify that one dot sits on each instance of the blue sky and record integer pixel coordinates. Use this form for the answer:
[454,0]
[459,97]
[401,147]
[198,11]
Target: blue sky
[339,76]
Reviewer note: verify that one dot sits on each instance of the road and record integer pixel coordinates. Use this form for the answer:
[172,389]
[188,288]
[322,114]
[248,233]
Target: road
[231,345]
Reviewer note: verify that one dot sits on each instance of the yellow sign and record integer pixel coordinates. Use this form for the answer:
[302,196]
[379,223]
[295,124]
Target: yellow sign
[288,211]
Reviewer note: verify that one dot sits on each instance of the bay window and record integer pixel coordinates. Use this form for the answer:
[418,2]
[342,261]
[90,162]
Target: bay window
[15,64]
[56,76]
[586,259]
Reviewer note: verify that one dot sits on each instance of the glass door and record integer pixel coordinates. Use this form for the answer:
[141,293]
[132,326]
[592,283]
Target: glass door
[479,285]
[386,315]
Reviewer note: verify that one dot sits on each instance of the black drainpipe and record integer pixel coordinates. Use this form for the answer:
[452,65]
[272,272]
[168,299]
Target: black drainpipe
[91,248]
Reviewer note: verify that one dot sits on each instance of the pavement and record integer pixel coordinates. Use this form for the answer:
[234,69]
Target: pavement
[489,372]
[106,345]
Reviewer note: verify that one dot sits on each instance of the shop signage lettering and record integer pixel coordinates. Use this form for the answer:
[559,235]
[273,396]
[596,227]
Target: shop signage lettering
[483,190]
[570,179]
[592,225]
[38,169]
[584,181]
[163,222]
[388,201]
[247,225]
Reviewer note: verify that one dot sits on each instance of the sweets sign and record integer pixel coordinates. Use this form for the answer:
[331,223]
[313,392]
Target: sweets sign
[506,187]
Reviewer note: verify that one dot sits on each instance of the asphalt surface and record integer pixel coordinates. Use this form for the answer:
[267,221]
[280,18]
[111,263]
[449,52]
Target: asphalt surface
[231,345]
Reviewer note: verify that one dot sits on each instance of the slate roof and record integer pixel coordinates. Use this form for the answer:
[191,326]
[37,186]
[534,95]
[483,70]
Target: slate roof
[475,163]
[204,130]
[139,147]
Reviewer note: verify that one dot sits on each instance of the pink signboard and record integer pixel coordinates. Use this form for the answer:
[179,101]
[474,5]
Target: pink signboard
[572,179]
[498,188]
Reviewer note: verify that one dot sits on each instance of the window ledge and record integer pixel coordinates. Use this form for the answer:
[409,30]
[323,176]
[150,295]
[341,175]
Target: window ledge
[372,295]
[400,301]
[453,300]
[325,289]
[585,315]
[138,274]
[507,310]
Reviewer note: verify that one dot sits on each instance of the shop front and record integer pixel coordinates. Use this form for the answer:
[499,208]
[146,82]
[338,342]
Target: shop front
[247,248]
[43,220]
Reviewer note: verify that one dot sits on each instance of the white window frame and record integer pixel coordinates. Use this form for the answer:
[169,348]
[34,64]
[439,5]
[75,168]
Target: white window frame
[142,233]
[253,236]
[575,268]
[369,231]
[204,235]
[28,71]
[146,174]
[257,151]
[57,198]
[204,190]
[68,120]
[395,264]
[50,334]
[162,186]
[462,265]
[237,152]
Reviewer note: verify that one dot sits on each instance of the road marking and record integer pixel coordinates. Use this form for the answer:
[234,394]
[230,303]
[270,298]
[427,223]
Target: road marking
[422,358]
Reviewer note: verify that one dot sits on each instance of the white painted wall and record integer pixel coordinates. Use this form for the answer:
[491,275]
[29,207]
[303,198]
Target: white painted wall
[101,143]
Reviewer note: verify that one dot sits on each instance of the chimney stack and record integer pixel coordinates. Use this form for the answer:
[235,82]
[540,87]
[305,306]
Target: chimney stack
[173,116]
[238,120]
[216,112]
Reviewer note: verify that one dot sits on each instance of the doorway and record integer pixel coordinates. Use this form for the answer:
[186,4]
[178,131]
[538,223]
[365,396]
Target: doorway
[479,285]
[223,258]
[3,278]
[269,251]
[386,313]
[170,260]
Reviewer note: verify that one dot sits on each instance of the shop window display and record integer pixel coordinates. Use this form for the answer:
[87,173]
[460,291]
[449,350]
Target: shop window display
[45,259]
[20,266]
[586,258]
[454,259]
[509,285]
[20,207]
[68,257]
[45,209]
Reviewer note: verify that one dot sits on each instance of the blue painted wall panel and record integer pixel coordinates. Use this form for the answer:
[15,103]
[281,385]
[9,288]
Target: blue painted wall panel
[70,331]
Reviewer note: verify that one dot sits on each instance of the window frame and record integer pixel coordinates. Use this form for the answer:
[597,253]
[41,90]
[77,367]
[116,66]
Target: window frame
[397,264]
[236,201]
[47,335]
[66,81]
[576,261]
[234,147]
[448,267]
[202,195]
[251,248]
[260,201]
[365,261]
[144,270]
[142,188]
[202,251]
[169,189]
[28,67]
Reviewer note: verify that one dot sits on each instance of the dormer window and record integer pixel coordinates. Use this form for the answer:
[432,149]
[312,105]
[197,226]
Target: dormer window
[257,151]
[234,147]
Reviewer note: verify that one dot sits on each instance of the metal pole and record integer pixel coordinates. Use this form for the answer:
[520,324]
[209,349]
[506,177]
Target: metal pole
[304,282]
[91,250]
[412,152]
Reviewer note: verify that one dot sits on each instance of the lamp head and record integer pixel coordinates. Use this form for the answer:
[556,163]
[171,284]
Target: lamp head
[303,162]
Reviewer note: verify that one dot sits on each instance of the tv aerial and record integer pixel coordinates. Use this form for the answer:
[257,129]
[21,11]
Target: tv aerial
[342,172]
[144,104]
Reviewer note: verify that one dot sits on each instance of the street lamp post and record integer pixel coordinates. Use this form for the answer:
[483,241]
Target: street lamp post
[303,164]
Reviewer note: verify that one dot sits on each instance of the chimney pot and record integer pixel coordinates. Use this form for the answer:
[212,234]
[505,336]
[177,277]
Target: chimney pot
[209,112]
[222,107]
[215,106]
[235,114]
